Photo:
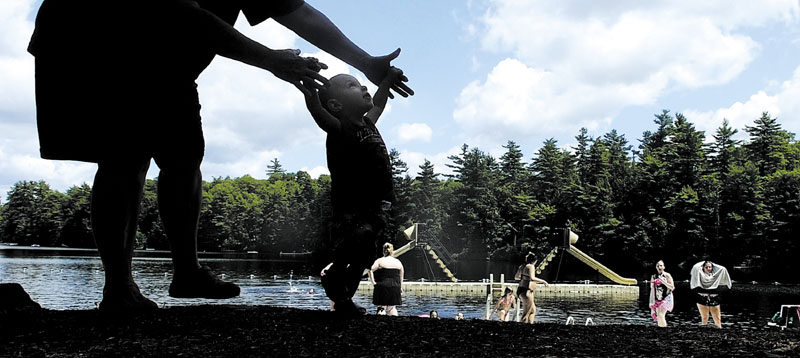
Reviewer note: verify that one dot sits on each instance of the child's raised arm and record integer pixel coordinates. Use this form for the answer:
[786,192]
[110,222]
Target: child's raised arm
[382,93]
[326,121]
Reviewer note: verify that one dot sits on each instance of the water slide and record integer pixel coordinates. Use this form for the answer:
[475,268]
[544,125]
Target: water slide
[605,271]
[571,238]
[412,234]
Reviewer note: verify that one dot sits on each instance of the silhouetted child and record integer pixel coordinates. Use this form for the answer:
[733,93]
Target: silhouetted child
[361,178]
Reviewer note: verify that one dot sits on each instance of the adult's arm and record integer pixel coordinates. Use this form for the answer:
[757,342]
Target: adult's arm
[402,273]
[316,28]
[226,41]
[668,282]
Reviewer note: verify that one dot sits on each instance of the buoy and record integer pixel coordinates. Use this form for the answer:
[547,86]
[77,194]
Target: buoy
[570,320]
[589,320]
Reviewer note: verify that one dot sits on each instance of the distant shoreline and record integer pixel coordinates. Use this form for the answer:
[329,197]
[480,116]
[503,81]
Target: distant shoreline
[235,255]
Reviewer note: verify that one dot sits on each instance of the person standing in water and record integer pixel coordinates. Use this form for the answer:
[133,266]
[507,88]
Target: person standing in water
[527,286]
[706,279]
[661,298]
[386,276]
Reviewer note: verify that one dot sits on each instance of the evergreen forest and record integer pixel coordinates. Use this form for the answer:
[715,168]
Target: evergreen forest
[672,195]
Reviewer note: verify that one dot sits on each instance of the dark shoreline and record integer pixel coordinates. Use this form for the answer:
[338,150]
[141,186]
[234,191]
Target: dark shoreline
[247,331]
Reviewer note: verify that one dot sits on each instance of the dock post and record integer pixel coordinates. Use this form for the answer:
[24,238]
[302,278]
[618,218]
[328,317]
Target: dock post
[488,314]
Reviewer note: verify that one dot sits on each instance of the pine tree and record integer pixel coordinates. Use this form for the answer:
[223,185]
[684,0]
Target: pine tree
[275,168]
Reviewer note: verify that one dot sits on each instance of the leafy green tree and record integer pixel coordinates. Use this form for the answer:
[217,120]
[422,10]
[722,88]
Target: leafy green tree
[32,214]
[150,232]
[77,228]
[234,216]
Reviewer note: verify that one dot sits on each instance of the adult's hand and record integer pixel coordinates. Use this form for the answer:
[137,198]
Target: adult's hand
[289,66]
[376,69]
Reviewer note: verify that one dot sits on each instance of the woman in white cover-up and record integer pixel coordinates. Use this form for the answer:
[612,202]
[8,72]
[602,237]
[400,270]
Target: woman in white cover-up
[706,278]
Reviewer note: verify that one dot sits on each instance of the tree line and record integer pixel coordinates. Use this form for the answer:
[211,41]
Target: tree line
[672,197]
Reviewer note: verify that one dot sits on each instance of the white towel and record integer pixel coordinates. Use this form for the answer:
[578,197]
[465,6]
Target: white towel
[719,276]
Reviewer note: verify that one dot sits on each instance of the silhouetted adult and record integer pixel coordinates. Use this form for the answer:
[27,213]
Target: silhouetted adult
[115,85]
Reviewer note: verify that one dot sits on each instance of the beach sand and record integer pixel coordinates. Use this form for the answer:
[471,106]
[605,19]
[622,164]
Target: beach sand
[253,331]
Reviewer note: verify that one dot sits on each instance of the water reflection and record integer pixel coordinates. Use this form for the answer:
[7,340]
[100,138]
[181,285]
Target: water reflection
[76,282]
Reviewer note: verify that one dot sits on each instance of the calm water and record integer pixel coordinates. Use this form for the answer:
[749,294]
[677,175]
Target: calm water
[75,282]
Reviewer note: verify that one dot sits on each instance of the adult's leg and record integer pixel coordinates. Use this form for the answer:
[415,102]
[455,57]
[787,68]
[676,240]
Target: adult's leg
[703,313]
[180,190]
[527,306]
[533,308]
[391,310]
[116,193]
[661,313]
[180,193]
[716,312]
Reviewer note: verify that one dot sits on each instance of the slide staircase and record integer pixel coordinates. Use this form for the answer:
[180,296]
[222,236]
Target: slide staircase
[432,247]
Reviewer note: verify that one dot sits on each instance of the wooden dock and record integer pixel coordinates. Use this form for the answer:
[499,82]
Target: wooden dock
[485,287]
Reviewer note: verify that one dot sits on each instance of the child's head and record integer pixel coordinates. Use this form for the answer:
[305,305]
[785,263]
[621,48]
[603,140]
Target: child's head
[344,95]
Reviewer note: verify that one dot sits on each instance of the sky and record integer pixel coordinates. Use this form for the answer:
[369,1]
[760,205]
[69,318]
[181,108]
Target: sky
[485,72]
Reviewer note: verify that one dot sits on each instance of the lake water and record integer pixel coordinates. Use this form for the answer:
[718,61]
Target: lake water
[75,282]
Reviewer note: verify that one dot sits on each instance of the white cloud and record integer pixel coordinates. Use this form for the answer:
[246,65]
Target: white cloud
[16,64]
[575,65]
[60,175]
[439,160]
[517,100]
[781,102]
[254,164]
[315,172]
[410,132]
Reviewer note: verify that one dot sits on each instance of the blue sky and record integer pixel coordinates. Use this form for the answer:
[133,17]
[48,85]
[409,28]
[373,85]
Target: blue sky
[484,72]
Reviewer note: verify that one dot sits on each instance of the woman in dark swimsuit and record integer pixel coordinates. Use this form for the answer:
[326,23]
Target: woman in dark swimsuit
[386,276]
[527,285]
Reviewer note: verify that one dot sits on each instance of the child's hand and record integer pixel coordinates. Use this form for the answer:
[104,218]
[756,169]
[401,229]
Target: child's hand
[395,75]
[308,86]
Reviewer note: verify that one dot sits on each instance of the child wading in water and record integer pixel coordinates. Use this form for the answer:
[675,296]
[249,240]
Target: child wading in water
[362,191]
